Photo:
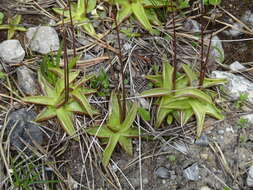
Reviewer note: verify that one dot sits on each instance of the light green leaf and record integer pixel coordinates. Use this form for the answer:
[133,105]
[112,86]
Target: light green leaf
[131,132]
[1,17]
[183,116]
[43,100]
[126,144]
[15,20]
[46,114]
[83,101]
[169,119]
[194,93]
[109,149]
[46,87]
[140,14]
[209,82]
[177,105]
[114,113]
[181,82]
[74,106]
[156,92]
[200,112]
[100,131]
[130,117]
[156,79]
[123,13]
[66,119]
[145,115]
[190,74]
[91,5]
[167,75]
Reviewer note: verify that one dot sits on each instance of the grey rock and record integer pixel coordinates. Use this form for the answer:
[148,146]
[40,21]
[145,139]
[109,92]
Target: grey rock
[236,85]
[191,26]
[11,51]
[43,39]
[247,18]
[236,66]
[234,32]
[163,173]
[221,132]
[27,81]
[20,125]
[205,188]
[249,117]
[203,140]
[216,51]
[249,179]
[192,173]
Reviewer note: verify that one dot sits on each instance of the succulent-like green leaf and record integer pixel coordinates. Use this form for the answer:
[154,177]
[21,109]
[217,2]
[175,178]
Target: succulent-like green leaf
[83,101]
[130,117]
[126,144]
[183,116]
[66,119]
[167,75]
[169,119]
[100,131]
[140,14]
[156,92]
[200,113]
[123,13]
[109,149]
[46,87]
[190,74]
[182,82]
[43,100]
[156,79]
[145,115]
[75,107]
[46,114]
[194,93]
[208,82]
[114,113]
[131,132]
[177,104]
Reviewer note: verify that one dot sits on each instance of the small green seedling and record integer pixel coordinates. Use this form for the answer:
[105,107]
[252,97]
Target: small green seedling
[54,99]
[79,12]
[212,2]
[101,83]
[12,26]
[242,99]
[243,123]
[186,100]
[116,131]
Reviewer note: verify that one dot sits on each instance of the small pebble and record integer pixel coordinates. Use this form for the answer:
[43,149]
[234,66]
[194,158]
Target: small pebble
[192,173]
[163,173]
[221,132]
[202,141]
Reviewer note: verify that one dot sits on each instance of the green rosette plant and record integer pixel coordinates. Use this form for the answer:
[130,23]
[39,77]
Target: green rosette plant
[116,131]
[54,99]
[79,12]
[186,100]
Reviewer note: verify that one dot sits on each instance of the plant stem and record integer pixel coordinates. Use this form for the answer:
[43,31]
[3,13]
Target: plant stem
[123,107]
[72,29]
[66,69]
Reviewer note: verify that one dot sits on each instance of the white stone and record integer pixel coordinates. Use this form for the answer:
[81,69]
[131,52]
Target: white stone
[43,39]
[26,81]
[236,85]
[236,66]
[247,18]
[205,188]
[216,51]
[191,26]
[235,31]
[11,51]
[250,177]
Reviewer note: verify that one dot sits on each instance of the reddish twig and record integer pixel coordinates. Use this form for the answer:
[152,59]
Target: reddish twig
[174,78]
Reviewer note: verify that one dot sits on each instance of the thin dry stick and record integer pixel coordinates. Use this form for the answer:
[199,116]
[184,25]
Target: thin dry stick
[174,48]
[202,74]
[123,107]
